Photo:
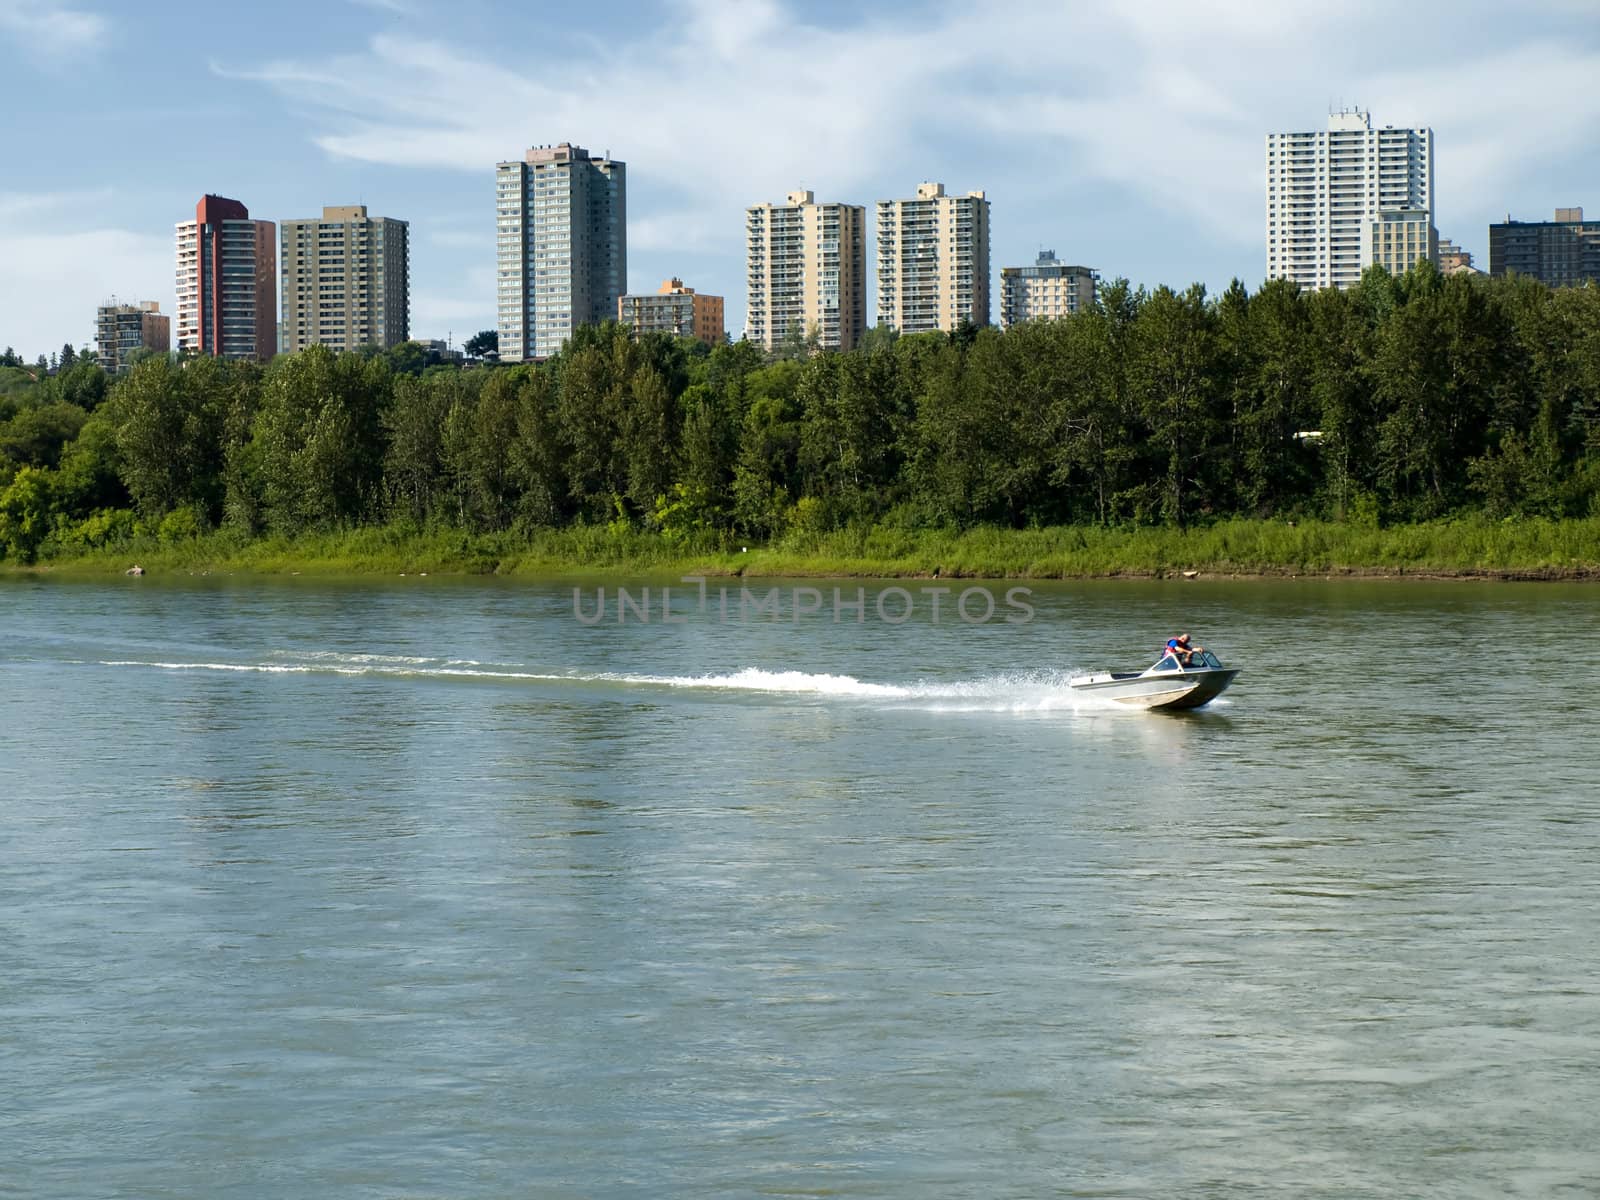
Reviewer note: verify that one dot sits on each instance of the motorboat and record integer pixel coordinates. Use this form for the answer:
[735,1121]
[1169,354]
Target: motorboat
[1167,684]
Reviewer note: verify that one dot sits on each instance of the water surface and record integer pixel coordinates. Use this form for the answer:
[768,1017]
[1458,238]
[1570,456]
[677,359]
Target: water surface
[425,888]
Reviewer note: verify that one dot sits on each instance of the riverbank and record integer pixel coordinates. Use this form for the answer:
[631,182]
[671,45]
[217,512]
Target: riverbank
[1466,548]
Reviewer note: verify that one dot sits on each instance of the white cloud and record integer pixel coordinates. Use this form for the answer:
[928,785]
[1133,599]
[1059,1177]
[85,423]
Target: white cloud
[52,26]
[436,311]
[1125,117]
[56,277]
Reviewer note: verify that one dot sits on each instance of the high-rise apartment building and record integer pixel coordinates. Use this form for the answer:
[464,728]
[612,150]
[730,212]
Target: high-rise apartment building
[933,260]
[561,247]
[1564,252]
[676,310]
[806,270]
[1331,192]
[227,282]
[1043,291]
[122,329]
[345,280]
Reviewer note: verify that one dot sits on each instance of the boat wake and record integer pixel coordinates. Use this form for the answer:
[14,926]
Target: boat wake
[1016,691]
[1006,692]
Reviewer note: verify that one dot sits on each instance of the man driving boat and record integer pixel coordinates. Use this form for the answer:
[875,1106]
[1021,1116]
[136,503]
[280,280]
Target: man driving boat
[1181,650]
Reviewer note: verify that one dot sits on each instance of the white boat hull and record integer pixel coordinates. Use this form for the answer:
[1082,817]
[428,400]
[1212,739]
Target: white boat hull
[1176,689]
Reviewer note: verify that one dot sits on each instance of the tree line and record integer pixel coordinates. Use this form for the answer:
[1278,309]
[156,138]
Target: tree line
[1404,398]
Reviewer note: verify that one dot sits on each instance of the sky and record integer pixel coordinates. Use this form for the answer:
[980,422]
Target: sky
[1128,137]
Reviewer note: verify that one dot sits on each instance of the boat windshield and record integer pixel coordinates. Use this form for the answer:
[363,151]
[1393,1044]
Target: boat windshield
[1202,658]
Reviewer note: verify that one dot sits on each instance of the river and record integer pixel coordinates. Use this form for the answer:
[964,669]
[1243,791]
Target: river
[426,887]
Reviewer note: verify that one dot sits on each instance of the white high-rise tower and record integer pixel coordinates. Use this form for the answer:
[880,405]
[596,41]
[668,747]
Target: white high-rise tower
[1342,199]
[561,247]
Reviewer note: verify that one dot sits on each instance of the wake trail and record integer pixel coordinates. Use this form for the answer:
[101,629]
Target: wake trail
[1016,691]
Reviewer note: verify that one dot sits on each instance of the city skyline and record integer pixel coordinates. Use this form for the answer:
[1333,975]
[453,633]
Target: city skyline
[1145,165]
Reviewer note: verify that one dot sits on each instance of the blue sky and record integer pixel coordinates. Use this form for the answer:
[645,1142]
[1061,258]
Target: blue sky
[1128,137]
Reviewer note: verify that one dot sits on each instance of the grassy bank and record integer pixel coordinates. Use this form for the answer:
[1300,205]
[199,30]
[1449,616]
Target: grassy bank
[1466,547]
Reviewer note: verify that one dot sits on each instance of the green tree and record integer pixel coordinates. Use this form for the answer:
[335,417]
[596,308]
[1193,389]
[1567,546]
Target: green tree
[650,427]
[484,459]
[407,358]
[36,435]
[1172,373]
[169,435]
[413,465]
[537,463]
[1438,376]
[708,447]
[318,436]
[1092,445]
[26,512]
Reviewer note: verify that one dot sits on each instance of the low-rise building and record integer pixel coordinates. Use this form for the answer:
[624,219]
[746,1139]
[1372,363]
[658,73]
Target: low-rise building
[1453,260]
[122,329]
[674,309]
[1046,290]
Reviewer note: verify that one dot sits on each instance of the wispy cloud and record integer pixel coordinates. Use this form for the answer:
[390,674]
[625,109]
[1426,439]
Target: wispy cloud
[457,310]
[56,275]
[1164,98]
[1129,136]
[53,26]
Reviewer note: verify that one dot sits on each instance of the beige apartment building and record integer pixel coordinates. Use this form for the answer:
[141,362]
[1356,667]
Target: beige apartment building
[676,310]
[345,280]
[933,261]
[806,270]
[1044,291]
[121,329]
[1403,237]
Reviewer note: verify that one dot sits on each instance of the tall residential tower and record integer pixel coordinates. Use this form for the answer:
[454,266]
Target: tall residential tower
[806,270]
[1341,199]
[933,260]
[561,254]
[227,282]
[345,281]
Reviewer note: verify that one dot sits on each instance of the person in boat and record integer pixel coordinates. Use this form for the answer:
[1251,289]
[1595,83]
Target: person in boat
[1181,649]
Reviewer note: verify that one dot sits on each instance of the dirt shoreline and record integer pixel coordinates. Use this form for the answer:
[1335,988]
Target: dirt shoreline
[311,570]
